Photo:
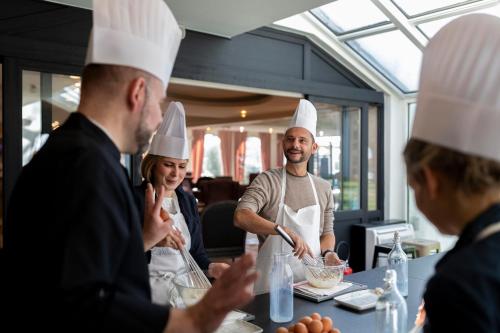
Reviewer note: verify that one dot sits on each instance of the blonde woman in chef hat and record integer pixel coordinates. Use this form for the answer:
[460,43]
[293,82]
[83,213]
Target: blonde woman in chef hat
[165,166]
[453,166]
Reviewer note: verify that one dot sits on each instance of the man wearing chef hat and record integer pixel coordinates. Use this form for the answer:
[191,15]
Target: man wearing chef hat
[453,166]
[291,197]
[73,238]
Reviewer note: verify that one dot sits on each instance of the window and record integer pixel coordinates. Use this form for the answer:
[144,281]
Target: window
[423,227]
[212,160]
[372,157]
[339,153]
[338,15]
[47,101]
[1,159]
[253,158]
[394,55]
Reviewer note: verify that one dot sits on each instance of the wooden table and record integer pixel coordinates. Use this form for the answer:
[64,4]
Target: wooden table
[348,321]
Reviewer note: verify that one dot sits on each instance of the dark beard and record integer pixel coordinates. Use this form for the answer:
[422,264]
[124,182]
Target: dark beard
[142,134]
[302,158]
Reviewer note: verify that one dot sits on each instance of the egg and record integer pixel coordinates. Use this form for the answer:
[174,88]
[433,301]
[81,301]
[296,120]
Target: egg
[305,320]
[282,330]
[316,316]
[327,323]
[315,326]
[335,330]
[291,328]
[300,328]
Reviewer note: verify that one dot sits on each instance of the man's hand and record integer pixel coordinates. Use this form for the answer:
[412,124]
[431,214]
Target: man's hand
[301,248]
[157,222]
[332,259]
[232,290]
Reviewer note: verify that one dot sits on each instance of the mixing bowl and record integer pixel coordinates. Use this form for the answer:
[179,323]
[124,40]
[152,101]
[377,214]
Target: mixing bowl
[320,274]
[189,291]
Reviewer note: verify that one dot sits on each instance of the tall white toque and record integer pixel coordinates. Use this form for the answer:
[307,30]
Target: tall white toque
[458,104]
[305,116]
[170,140]
[142,34]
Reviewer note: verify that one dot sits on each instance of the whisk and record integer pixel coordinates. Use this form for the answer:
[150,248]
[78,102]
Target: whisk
[196,277]
[307,259]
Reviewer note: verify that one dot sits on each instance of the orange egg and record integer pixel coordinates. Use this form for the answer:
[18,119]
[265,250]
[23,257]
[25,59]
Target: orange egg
[300,328]
[305,320]
[315,326]
[335,330]
[316,316]
[327,323]
[282,330]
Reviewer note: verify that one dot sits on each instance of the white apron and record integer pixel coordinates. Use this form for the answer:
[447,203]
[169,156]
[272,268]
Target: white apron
[166,262]
[305,222]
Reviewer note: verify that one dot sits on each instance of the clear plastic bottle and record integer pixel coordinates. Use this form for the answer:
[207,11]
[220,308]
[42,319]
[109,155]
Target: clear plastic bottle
[391,312]
[398,261]
[281,289]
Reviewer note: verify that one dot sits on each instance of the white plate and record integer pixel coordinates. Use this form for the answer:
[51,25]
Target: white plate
[239,326]
[358,300]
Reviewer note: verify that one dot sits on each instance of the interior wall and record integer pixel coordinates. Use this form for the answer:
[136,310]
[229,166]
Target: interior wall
[395,124]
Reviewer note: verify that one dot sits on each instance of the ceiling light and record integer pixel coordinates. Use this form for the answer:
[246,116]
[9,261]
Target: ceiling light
[321,133]
[74,77]
[242,129]
[208,129]
[243,113]
[270,130]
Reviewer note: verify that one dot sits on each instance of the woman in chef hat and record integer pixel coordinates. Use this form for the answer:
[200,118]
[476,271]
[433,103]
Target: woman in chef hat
[453,166]
[165,165]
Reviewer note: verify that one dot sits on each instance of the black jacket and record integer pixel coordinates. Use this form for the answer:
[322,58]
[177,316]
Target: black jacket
[189,209]
[464,294]
[73,240]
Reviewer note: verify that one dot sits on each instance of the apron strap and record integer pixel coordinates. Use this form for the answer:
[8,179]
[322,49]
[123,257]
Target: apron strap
[283,187]
[488,231]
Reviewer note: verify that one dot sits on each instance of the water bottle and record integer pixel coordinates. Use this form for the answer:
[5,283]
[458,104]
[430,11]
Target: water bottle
[390,311]
[398,261]
[281,289]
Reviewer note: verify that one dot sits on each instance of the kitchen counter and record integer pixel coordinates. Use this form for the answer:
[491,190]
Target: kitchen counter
[349,321]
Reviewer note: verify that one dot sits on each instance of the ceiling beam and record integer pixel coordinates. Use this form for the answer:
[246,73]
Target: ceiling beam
[401,21]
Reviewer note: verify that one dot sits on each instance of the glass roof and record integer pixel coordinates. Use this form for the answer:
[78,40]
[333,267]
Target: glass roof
[391,34]
[338,15]
[393,55]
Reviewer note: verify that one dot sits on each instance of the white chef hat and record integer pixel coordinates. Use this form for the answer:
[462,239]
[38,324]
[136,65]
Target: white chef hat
[170,140]
[142,34]
[305,116]
[458,104]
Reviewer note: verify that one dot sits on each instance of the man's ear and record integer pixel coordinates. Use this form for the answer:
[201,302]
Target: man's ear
[314,148]
[136,94]
[431,181]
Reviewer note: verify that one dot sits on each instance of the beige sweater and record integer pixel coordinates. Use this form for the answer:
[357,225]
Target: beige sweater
[263,197]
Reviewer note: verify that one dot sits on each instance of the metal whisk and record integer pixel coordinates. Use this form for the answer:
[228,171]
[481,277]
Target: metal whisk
[307,259]
[196,277]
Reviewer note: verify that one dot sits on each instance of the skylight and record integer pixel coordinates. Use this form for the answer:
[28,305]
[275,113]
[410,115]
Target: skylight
[390,35]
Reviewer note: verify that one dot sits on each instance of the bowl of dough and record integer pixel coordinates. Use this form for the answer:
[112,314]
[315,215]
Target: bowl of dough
[321,273]
[188,289]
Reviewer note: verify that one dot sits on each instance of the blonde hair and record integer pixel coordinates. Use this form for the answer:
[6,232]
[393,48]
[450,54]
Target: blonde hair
[147,166]
[471,174]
